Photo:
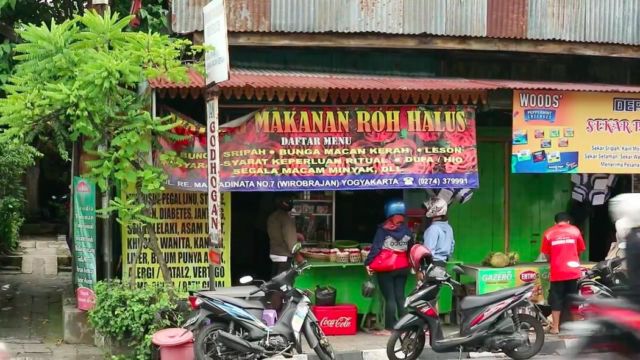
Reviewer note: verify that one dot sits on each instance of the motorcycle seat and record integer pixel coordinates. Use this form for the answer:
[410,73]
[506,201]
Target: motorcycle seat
[474,301]
[245,304]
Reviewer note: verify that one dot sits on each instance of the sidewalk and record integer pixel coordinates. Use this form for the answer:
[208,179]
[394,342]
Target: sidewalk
[372,347]
[31,317]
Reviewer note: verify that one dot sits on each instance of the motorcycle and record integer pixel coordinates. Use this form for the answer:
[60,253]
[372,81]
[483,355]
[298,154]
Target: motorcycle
[612,327]
[233,328]
[490,322]
[606,279]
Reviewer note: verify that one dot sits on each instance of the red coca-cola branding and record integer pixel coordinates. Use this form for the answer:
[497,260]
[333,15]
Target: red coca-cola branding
[341,322]
[337,320]
[528,276]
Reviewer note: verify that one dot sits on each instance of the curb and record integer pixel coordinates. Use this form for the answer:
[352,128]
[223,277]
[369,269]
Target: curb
[550,347]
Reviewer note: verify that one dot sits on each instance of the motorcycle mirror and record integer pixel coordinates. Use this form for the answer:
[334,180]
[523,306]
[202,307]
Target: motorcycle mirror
[246,280]
[622,245]
[296,248]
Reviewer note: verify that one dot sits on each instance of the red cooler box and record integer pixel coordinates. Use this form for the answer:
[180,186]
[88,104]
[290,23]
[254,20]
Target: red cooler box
[337,320]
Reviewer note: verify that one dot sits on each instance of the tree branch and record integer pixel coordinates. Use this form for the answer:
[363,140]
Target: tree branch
[8,32]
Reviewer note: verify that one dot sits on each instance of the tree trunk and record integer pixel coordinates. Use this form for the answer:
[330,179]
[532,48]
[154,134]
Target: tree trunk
[152,242]
[142,243]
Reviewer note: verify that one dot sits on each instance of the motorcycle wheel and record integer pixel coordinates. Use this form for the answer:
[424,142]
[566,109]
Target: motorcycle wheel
[324,350]
[530,325]
[204,346]
[410,344]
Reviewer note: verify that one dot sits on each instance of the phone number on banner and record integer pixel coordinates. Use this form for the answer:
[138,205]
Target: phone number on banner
[363,182]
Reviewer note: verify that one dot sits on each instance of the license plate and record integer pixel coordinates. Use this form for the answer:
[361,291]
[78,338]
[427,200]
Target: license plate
[298,317]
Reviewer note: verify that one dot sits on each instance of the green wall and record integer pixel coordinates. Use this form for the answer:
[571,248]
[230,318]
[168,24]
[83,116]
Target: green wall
[479,225]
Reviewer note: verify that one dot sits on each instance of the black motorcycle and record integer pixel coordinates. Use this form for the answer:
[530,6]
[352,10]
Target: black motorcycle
[605,279]
[233,328]
[490,322]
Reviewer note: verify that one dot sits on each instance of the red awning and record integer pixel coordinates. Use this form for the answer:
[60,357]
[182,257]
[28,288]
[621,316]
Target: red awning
[304,86]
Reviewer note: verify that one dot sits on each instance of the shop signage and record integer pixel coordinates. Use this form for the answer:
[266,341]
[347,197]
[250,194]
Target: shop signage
[183,235]
[215,35]
[191,175]
[575,132]
[84,239]
[490,280]
[335,148]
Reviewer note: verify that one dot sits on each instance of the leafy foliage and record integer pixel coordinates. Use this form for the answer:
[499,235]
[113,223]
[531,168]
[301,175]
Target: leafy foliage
[14,159]
[132,315]
[153,15]
[85,79]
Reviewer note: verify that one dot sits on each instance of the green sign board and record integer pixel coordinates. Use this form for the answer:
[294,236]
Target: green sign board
[490,280]
[84,238]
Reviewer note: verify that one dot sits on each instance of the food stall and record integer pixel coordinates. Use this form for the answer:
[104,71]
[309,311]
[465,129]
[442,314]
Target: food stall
[315,152]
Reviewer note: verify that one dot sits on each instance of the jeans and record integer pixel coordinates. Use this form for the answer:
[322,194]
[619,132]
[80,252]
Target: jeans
[279,267]
[392,285]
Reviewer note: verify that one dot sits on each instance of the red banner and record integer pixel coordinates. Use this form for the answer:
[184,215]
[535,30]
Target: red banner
[293,149]
[192,175]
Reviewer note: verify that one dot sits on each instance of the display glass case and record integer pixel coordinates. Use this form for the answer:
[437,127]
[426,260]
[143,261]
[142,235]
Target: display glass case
[314,216]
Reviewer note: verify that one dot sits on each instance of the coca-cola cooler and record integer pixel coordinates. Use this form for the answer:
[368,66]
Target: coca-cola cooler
[337,320]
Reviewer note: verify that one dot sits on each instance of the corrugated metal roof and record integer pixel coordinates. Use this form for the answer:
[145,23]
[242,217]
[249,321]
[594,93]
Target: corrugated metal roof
[603,21]
[187,16]
[303,80]
[507,19]
[540,85]
[337,16]
[610,21]
[194,81]
[466,18]
[249,15]
[268,79]
[415,21]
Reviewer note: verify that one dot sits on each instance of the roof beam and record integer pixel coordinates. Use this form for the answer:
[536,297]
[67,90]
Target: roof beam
[383,41]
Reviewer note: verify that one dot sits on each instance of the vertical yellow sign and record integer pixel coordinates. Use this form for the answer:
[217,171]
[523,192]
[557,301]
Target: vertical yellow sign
[183,236]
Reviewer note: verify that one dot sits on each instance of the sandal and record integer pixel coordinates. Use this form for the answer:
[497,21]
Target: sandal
[553,332]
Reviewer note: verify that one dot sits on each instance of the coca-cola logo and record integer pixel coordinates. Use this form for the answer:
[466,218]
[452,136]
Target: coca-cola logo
[341,322]
[528,276]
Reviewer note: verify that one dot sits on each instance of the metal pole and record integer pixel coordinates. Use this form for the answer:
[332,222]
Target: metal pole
[216,247]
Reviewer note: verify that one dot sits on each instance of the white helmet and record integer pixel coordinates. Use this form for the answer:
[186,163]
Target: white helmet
[435,207]
[626,207]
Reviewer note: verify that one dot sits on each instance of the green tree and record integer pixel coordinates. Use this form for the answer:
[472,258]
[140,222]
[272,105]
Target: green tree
[15,157]
[84,79]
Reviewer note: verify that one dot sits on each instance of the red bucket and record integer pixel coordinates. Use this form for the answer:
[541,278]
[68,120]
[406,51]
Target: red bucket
[337,320]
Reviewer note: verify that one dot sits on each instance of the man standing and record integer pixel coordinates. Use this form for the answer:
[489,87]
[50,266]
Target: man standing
[439,235]
[562,245]
[281,228]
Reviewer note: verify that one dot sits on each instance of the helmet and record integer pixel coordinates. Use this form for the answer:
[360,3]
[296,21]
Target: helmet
[284,202]
[368,288]
[418,254]
[626,207]
[394,207]
[435,207]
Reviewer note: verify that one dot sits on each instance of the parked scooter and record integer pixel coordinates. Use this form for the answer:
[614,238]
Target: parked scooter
[612,327]
[606,279]
[490,322]
[235,329]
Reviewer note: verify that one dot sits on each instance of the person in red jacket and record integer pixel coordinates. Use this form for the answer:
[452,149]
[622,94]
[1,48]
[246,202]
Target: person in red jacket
[562,244]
